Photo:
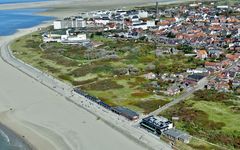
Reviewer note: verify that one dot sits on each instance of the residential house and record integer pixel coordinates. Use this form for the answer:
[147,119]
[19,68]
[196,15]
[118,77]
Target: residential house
[214,52]
[222,86]
[174,134]
[202,54]
[213,65]
[129,114]
[156,124]
[150,76]
[194,79]
[236,83]
[198,71]
[173,90]
[233,57]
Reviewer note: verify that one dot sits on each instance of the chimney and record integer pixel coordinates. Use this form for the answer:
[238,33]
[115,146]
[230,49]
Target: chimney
[157,11]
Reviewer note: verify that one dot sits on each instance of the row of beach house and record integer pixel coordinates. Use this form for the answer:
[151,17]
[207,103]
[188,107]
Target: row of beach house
[157,125]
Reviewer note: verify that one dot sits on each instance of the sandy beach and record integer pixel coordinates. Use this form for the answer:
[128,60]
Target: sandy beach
[14,139]
[47,120]
[44,118]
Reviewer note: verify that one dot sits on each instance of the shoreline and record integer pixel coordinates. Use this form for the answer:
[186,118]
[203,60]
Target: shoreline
[121,131]
[22,132]
[15,139]
[46,137]
[5,126]
[61,8]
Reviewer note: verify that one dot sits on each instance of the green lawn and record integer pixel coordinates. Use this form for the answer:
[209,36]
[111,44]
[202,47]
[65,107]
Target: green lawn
[209,115]
[100,77]
[129,96]
[101,39]
[198,144]
[220,113]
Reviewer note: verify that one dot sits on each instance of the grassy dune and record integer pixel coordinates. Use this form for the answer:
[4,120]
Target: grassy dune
[211,116]
[102,77]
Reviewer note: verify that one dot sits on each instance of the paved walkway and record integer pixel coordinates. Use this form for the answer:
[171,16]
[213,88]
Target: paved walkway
[191,90]
[128,128]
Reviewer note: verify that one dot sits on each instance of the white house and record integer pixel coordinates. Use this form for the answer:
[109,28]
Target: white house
[121,12]
[62,37]
[57,24]
[80,22]
[69,23]
[151,23]
[103,21]
[51,38]
[222,7]
[197,71]
[74,39]
[150,76]
[143,14]
[142,25]
[135,18]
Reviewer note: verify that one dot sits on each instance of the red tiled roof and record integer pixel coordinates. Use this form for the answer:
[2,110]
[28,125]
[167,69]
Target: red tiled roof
[211,64]
[232,57]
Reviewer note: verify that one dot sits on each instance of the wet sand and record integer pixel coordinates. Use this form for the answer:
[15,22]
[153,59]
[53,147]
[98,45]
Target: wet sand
[65,8]
[46,119]
[14,139]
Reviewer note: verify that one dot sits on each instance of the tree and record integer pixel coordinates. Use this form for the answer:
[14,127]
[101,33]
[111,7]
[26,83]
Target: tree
[143,38]
[171,35]
[99,33]
[92,36]
[185,48]
[228,36]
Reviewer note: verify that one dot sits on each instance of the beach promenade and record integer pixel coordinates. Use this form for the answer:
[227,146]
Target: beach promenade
[46,110]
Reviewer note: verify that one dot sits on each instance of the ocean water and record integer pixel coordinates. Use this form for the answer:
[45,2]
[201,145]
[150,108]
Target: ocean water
[10,141]
[5,144]
[18,1]
[11,20]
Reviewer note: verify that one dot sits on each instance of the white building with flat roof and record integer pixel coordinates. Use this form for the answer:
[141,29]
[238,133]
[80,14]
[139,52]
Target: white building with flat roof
[57,24]
[80,23]
[69,23]
[156,124]
[143,14]
[222,7]
[77,38]
[140,25]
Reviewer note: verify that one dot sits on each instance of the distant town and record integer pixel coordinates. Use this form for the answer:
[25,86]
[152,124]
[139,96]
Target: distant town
[151,65]
[210,33]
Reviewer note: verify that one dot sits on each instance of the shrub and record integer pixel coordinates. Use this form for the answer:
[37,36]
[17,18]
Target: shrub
[102,85]
[140,94]
[185,48]
[149,105]
[66,78]
[75,83]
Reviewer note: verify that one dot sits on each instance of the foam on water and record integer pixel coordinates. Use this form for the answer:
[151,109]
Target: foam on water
[11,21]
[4,136]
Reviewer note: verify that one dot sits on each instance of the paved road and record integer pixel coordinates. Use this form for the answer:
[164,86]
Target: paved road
[190,91]
[128,128]
[182,97]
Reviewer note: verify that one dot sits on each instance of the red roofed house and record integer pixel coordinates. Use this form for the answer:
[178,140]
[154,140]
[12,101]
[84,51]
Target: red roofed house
[202,54]
[213,65]
[232,57]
